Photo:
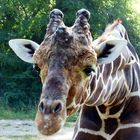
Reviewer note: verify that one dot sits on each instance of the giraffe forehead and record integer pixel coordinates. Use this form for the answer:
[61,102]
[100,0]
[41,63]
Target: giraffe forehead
[74,54]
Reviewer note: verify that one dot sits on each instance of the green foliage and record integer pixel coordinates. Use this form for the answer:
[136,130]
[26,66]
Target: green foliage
[73,117]
[104,12]
[19,86]
[23,19]
[12,113]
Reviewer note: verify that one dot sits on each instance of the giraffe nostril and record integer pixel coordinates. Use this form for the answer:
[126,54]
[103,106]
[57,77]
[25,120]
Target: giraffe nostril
[41,107]
[48,107]
[57,107]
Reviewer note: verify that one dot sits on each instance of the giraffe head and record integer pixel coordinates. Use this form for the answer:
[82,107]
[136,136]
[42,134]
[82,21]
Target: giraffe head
[67,60]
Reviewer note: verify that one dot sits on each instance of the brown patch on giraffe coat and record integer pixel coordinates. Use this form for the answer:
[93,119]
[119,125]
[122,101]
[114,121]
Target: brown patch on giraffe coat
[128,134]
[131,111]
[128,75]
[116,64]
[109,86]
[86,136]
[102,108]
[115,109]
[98,90]
[137,68]
[135,86]
[90,118]
[111,125]
[93,84]
[123,63]
[115,99]
[101,68]
[107,72]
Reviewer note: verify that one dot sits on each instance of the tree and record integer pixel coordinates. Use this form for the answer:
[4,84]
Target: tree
[28,19]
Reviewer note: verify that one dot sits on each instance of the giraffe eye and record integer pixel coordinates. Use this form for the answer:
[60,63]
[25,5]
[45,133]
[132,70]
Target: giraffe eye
[88,70]
[36,68]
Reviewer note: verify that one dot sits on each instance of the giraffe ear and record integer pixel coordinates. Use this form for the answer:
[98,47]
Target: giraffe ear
[24,49]
[109,50]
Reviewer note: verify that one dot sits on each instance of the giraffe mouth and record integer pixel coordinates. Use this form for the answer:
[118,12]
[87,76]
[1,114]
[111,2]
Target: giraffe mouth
[49,124]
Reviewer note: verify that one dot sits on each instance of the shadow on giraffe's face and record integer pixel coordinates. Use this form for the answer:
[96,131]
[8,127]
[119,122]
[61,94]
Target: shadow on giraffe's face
[66,61]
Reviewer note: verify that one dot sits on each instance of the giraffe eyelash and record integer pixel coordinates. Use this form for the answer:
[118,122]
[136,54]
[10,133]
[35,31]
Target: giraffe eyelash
[88,70]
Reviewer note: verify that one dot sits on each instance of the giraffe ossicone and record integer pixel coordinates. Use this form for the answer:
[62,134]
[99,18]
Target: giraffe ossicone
[101,76]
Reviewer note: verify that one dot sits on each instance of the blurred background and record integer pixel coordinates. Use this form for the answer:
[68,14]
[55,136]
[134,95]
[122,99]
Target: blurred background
[20,86]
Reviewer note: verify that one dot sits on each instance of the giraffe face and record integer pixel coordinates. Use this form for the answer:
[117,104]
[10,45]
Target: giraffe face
[66,61]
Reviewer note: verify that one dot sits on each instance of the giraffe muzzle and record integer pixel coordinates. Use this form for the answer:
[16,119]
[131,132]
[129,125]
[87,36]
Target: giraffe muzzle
[50,116]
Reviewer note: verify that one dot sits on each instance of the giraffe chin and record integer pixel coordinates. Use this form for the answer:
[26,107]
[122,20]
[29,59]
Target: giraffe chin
[49,124]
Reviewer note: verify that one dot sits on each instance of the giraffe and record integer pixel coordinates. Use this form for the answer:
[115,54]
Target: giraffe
[112,110]
[101,77]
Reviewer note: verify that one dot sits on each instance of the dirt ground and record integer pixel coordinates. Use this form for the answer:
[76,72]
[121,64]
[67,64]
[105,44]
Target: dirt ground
[10,129]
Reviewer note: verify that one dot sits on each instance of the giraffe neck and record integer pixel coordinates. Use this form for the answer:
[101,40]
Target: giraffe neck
[112,108]
[116,81]
[106,122]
